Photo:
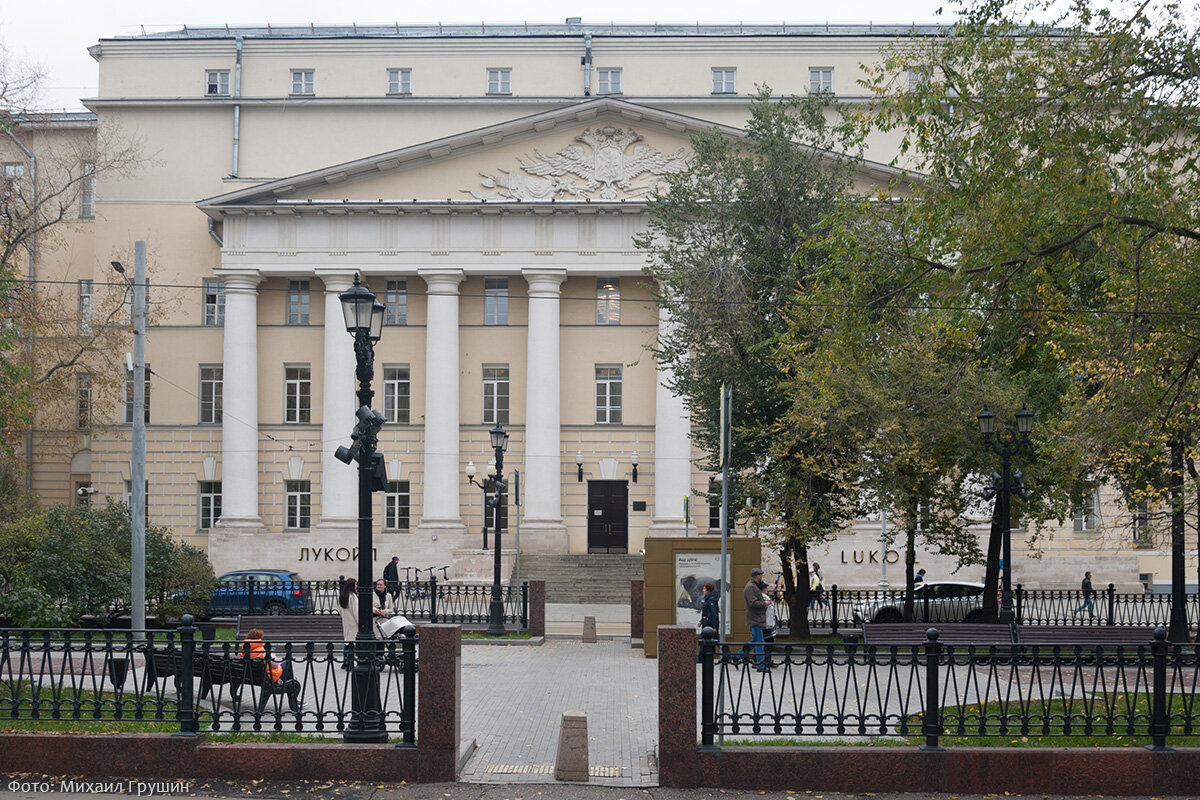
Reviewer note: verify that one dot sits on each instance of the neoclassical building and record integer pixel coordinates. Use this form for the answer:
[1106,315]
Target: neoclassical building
[486,182]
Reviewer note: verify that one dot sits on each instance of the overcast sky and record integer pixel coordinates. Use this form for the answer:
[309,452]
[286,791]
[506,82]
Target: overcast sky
[54,34]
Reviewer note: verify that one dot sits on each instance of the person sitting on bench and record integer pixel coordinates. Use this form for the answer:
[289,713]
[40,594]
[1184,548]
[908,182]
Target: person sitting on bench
[280,675]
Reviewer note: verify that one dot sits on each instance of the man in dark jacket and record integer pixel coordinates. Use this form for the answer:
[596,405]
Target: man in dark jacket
[391,574]
[1089,596]
[756,616]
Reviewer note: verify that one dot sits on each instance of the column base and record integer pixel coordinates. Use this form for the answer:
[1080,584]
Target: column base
[670,527]
[542,536]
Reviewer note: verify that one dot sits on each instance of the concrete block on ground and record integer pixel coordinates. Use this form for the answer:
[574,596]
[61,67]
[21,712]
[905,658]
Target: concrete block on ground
[572,761]
[589,630]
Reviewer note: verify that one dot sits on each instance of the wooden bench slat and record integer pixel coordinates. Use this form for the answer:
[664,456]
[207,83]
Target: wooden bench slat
[293,628]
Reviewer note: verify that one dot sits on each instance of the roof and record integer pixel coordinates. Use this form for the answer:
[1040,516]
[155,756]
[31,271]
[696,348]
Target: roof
[527,29]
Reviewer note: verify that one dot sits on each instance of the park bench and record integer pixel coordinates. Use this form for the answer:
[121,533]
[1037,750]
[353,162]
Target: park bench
[956,634]
[214,668]
[293,628]
[1107,636]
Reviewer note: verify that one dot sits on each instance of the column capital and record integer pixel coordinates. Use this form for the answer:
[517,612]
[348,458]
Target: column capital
[240,281]
[544,282]
[441,281]
[336,280]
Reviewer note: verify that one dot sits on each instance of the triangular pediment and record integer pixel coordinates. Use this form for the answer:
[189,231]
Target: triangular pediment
[598,150]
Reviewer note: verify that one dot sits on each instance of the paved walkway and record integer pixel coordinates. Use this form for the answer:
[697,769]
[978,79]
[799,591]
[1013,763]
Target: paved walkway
[513,699]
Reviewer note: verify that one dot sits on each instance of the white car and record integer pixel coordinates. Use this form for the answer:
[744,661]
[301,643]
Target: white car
[933,601]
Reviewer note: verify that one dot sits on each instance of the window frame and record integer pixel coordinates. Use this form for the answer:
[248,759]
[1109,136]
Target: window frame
[212,294]
[215,400]
[307,82]
[396,301]
[87,291]
[208,504]
[604,75]
[728,79]
[499,80]
[495,301]
[491,390]
[298,309]
[221,83]
[392,395]
[1090,512]
[402,81]
[397,506]
[83,401]
[820,84]
[299,389]
[297,497]
[608,413]
[87,190]
[608,301]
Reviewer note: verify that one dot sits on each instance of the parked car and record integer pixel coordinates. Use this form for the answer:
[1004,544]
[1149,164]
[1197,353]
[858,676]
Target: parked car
[935,601]
[260,591]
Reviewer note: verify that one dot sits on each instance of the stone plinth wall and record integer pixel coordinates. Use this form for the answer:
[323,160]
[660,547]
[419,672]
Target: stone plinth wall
[683,763]
[537,608]
[637,609]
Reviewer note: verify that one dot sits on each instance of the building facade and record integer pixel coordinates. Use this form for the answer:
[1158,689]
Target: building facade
[486,182]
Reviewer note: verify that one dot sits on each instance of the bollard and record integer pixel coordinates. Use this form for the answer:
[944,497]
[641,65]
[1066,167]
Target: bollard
[589,630]
[572,761]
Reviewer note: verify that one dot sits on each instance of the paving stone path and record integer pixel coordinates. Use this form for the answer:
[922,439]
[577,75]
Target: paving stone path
[513,699]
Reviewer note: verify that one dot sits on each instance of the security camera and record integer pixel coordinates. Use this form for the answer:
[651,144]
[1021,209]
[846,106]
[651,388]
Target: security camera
[84,491]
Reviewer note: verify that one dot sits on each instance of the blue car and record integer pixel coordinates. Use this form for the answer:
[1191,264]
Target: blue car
[260,591]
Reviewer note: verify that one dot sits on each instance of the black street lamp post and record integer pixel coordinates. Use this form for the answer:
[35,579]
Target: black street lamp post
[1006,444]
[494,495]
[364,321]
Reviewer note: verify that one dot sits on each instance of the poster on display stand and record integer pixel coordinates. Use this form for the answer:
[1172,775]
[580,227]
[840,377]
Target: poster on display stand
[692,571]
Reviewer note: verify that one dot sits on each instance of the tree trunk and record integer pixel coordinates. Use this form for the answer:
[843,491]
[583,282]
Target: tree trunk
[1191,468]
[910,560]
[991,574]
[798,607]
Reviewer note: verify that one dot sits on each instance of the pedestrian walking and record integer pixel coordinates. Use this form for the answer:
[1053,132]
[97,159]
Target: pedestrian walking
[1089,597]
[391,574]
[756,616]
[920,576]
[348,608]
[816,587]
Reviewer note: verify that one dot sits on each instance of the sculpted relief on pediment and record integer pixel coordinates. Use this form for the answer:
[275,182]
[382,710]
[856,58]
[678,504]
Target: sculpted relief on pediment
[612,160]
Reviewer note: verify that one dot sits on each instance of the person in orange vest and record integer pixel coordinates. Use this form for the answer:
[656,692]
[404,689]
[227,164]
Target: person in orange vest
[278,674]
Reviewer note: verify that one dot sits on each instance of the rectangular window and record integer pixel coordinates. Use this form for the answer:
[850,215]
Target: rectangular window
[302,81]
[608,394]
[214,302]
[499,80]
[298,501]
[83,401]
[297,303]
[1088,517]
[1141,526]
[297,392]
[396,393]
[129,397]
[608,301]
[87,190]
[216,83]
[724,80]
[608,81]
[212,379]
[495,301]
[14,180]
[395,506]
[399,81]
[210,504]
[396,301]
[85,307]
[495,394]
[820,79]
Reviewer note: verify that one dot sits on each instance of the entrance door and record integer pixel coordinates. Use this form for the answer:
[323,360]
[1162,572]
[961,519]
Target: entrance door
[608,517]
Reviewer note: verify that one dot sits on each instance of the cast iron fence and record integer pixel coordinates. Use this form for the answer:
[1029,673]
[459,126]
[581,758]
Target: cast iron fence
[1033,607]
[426,601]
[935,690]
[69,677]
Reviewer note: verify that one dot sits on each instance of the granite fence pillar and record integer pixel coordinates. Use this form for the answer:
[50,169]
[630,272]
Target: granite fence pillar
[439,709]
[678,752]
[637,609]
[537,608]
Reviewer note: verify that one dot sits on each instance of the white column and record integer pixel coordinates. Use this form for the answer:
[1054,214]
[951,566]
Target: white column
[339,482]
[441,481]
[672,446]
[239,421]
[542,526]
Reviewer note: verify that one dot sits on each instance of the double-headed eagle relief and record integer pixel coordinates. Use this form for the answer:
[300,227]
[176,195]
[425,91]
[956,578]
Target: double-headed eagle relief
[574,173]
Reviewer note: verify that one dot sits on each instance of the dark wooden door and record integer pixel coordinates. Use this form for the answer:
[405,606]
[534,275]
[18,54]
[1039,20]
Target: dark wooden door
[608,517]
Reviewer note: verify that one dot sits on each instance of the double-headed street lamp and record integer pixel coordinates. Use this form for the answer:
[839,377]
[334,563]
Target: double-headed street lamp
[364,321]
[1006,444]
[494,495]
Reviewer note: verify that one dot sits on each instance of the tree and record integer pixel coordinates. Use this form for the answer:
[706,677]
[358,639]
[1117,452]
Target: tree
[725,245]
[1060,203]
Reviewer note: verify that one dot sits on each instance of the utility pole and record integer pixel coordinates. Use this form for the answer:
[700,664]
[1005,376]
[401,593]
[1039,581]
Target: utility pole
[137,466]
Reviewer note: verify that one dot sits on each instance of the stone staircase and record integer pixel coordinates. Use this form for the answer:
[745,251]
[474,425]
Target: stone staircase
[592,578]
